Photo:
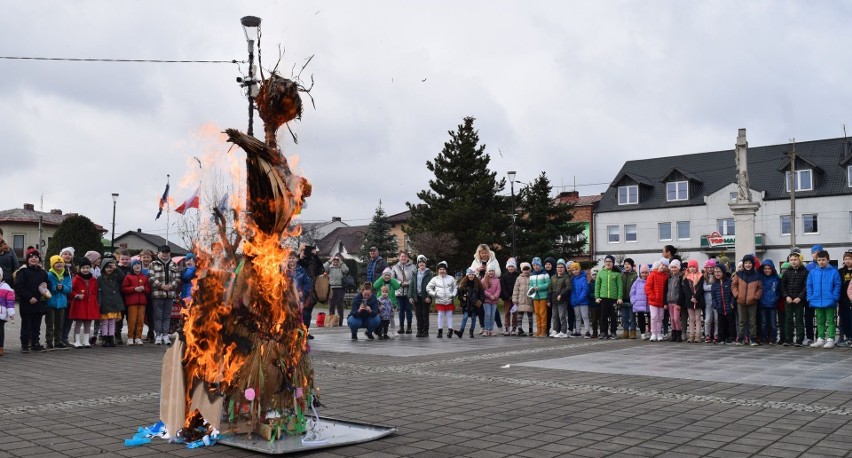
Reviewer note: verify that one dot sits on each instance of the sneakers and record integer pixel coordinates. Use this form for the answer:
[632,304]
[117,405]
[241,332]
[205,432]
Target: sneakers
[138,342]
[521,333]
[553,333]
[806,341]
[819,343]
[829,343]
[753,343]
[561,335]
[642,336]
[166,341]
[158,340]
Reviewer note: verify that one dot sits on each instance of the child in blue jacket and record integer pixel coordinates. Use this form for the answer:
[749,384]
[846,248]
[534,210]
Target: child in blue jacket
[580,300]
[823,288]
[723,302]
[769,302]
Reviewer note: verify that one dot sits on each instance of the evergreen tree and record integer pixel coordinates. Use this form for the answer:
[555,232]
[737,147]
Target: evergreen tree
[544,226]
[379,236]
[463,199]
[78,232]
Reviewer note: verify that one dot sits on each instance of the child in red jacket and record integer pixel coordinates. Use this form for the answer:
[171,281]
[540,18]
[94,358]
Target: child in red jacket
[655,289]
[136,290]
[84,303]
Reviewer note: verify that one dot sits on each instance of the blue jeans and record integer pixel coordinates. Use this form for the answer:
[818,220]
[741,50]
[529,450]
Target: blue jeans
[627,323]
[472,316]
[768,322]
[404,311]
[162,314]
[369,323]
[490,310]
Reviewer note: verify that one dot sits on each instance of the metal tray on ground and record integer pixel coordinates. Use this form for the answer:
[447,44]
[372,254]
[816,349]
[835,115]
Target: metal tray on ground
[330,433]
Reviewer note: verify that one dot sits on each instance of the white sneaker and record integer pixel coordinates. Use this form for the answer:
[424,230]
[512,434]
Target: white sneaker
[829,343]
[655,337]
[642,336]
[561,335]
[806,341]
[553,333]
[138,342]
[819,343]
[77,343]
[158,340]
[166,341]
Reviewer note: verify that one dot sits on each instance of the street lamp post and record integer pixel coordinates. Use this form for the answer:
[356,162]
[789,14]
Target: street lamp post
[114,202]
[511,174]
[251,28]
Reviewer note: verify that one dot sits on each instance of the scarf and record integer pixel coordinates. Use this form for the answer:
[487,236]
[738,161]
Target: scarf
[87,276]
[59,275]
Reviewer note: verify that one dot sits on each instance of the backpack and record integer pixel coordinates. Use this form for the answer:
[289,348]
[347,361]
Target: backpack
[322,288]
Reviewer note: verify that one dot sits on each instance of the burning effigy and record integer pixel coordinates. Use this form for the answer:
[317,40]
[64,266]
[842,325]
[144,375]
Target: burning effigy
[241,364]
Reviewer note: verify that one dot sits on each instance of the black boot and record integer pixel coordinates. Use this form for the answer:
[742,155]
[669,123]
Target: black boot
[450,333]
[459,334]
[104,341]
[440,333]
[471,333]
[408,329]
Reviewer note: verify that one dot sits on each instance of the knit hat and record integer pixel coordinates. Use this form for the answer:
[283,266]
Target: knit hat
[421,258]
[656,265]
[560,261]
[92,256]
[664,261]
[643,268]
[164,249]
[630,261]
[674,264]
[134,262]
[511,262]
[537,261]
[470,271]
[796,254]
[84,262]
[692,263]
[442,264]
[188,257]
[33,254]
[55,258]
[709,263]
[816,248]
[387,271]
[721,268]
[526,265]
[609,257]
[69,249]
[107,261]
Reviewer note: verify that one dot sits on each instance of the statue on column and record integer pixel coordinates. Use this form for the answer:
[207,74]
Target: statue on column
[743,193]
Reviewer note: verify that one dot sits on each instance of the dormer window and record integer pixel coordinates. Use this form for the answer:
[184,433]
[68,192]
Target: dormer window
[628,195]
[677,190]
[849,176]
[804,180]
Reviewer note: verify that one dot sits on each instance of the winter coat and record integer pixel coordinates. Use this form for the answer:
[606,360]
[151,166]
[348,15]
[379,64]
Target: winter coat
[303,282]
[579,289]
[375,268]
[86,308]
[131,296]
[109,293]
[674,293]
[385,308]
[404,273]
[699,293]
[747,287]
[608,285]
[793,283]
[393,286]
[27,281]
[491,293]
[561,287]
[8,262]
[469,293]
[519,294]
[7,301]
[424,282]
[162,274]
[638,298]
[723,297]
[689,291]
[507,284]
[771,286]
[492,263]
[442,289]
[186,281]
[655,288]
[540,280]
[372,302]
[823,287]
[591,297]
[336,274]
[627,279]
[58,299]
[846,280]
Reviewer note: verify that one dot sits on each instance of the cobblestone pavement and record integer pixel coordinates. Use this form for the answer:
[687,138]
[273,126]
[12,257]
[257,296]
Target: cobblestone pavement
[481,397]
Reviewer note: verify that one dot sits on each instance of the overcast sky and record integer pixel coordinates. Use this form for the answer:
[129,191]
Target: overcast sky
[573,88]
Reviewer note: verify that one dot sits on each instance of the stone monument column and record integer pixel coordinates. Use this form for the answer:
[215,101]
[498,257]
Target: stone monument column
[744,208]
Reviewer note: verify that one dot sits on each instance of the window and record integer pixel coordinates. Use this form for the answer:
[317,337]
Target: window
[785,224]
[683,230]
[725,226]
[849,176]
[665,231]
[810,224]
[628,195]
[733,196]
[677,190]
[629,232]
[803,180]
[18,245]
[612,234]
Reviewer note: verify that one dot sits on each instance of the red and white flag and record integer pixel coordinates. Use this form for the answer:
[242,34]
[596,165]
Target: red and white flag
[192,202]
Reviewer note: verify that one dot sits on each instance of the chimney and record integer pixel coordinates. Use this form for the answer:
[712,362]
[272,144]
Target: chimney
[29,207]
[569,196]
[336,219]
[139,230]
[55,211]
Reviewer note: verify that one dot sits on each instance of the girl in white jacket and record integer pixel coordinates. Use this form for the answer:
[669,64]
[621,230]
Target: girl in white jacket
[442,288]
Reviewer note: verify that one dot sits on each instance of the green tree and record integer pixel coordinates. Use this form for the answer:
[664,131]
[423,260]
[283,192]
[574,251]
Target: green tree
[463,199]
[379,236]
[544,226]
[78,232]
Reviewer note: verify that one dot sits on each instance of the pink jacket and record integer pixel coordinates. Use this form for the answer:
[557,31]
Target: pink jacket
[492,293]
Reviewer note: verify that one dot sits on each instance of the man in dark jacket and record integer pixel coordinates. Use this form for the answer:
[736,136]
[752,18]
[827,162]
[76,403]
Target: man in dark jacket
[310,262]
[794,294]
[8,260]
[375,265]
[29,284]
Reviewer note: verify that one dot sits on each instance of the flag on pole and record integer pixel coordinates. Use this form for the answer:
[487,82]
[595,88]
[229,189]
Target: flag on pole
[163,201]
[192,202]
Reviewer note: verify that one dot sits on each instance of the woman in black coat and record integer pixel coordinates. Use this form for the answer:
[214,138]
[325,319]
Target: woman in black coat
[30,287]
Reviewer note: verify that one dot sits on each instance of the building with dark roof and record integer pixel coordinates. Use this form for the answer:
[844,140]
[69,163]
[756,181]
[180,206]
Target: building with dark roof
[345,241]
[137,240]
[21,227]
[683,201]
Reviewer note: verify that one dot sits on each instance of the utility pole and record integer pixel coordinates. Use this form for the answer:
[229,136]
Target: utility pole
[792,182]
